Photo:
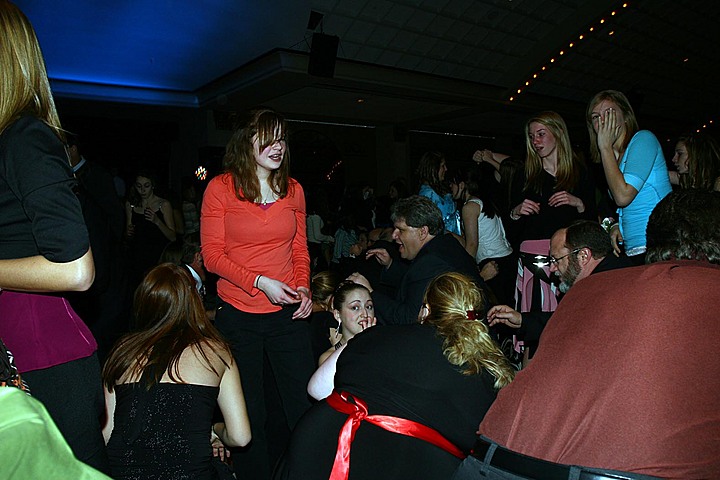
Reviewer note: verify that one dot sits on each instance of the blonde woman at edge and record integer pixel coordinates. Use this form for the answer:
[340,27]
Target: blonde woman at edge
[44,247]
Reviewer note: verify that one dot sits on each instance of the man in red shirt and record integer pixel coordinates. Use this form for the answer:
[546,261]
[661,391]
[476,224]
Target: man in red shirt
[624,378]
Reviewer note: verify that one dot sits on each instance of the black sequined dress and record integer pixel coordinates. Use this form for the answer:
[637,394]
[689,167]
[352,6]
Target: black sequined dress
[163,433]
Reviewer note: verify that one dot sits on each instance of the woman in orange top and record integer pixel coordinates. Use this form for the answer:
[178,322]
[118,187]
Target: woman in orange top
[253,236]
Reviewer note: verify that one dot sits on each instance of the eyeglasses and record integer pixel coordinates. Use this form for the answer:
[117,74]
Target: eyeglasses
[555,261]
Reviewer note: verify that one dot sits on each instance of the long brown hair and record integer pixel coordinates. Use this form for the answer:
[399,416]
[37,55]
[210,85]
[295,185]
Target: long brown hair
[24,86]
[428,172]
[171,316]
[631,124]
[268,127]
[567,174]
[466,341]
[703,161]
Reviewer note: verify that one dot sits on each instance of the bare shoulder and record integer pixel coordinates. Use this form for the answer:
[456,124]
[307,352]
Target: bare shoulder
[215,352]
[204,363]
[471,208]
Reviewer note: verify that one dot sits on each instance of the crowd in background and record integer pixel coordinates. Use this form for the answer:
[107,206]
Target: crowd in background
[249,327]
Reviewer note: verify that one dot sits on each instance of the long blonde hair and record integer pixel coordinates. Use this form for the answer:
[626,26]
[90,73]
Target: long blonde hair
[452,299]
[24,86]
[567,174]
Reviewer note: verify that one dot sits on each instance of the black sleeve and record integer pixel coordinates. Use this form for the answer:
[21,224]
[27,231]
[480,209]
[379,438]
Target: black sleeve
[406,311]
[38,174]
[586,192]
[533,324]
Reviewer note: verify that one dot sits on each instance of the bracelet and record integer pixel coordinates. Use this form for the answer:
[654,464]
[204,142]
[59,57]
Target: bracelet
[608,223]
[513,215]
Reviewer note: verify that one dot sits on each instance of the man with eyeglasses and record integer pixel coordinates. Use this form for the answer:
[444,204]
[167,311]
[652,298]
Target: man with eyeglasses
[625,384]
[576,252]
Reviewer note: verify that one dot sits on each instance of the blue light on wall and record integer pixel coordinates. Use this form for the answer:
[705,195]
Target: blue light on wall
[165,45]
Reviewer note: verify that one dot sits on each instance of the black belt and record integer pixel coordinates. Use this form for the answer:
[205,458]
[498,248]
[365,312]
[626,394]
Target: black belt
[530,467]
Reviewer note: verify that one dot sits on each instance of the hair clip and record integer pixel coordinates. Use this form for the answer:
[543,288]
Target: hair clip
[471,315]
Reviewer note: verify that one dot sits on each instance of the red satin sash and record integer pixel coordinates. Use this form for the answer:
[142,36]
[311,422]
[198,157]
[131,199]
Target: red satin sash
[357,412]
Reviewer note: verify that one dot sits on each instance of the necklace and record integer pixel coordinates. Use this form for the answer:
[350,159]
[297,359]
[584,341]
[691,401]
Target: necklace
[269,199]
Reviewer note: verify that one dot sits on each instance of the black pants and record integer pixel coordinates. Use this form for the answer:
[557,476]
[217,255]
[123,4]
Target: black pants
[73,396]
[286,344]
[522,467]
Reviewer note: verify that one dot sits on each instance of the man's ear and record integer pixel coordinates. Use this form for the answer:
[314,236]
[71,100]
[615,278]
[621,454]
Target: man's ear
[584,256]
[424,231]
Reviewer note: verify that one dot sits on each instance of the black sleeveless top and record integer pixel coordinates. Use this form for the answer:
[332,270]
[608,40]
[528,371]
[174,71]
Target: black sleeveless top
[162,433]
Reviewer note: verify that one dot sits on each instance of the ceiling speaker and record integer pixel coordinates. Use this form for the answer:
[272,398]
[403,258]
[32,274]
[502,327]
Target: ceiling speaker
[323,53]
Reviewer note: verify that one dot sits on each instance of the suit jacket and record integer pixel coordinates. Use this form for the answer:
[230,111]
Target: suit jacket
[440,255]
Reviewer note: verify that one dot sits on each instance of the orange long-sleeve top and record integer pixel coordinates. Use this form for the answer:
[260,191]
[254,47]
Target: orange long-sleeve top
[241,240]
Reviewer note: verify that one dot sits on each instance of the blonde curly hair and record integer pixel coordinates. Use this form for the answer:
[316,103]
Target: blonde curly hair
[453,300]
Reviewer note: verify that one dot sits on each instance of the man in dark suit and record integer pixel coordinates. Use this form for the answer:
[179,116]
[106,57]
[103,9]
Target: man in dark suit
[102,306]
[420,235]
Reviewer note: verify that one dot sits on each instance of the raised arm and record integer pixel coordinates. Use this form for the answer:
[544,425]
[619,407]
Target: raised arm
[607,134]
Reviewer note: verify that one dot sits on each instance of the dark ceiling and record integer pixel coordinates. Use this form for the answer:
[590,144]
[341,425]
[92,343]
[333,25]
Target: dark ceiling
[438,65]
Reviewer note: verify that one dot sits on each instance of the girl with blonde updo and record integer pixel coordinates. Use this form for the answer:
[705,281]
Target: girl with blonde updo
[437,376]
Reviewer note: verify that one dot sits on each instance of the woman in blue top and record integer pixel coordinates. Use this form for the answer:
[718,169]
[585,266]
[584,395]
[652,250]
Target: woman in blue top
[634,167]
[432,170]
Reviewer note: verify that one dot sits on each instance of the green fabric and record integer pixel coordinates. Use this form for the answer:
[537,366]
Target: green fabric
[31,446]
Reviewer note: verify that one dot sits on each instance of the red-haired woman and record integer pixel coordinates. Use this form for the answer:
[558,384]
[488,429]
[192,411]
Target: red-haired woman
[253,236]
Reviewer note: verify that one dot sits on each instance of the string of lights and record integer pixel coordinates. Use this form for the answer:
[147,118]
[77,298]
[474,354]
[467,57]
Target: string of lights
[556,58]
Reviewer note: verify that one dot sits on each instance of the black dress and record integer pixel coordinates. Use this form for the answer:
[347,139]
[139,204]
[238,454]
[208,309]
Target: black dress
[399,371]
[162,433]
[146,246]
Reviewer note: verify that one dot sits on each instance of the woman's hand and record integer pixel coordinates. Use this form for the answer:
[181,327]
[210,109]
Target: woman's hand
[360,280]
[218,447]
[527,207]
[608,130]
[305,308]
[368,322]
[564,198]
[150,216]
[490,270]
[278,292]
[616,239]
[504,314]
